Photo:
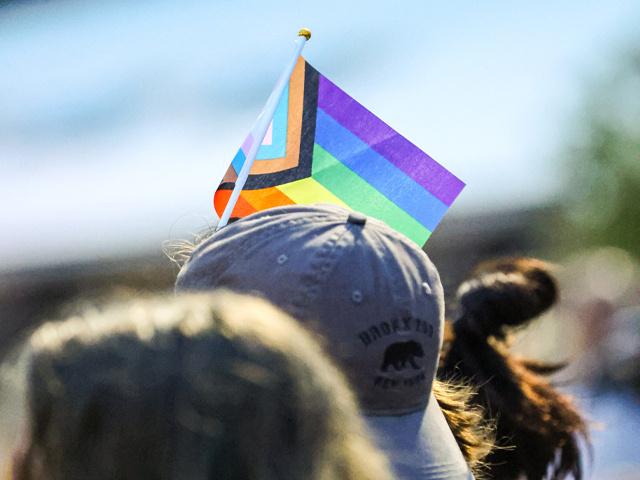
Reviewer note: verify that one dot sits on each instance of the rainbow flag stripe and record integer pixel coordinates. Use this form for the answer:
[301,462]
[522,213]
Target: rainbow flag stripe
[324,147]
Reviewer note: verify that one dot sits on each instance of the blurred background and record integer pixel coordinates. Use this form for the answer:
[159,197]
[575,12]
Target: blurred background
[118,120]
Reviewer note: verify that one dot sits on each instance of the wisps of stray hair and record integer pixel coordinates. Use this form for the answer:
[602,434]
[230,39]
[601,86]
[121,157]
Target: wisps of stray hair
[179,251]
[473,430]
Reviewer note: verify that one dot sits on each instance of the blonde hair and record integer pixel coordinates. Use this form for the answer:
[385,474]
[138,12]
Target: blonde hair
[196,386]
[474,433]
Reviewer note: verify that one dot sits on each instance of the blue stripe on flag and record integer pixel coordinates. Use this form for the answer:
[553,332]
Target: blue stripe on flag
[238,161]
[378,171]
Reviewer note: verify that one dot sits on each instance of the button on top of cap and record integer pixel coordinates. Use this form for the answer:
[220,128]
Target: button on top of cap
[357,218]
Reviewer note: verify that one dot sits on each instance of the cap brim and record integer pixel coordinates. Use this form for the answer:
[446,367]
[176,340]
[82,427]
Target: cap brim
[420,445]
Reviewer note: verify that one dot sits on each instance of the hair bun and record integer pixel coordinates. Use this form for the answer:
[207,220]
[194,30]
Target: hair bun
[506,293]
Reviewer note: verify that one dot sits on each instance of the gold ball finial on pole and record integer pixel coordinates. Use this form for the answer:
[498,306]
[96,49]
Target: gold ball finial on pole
[305,32]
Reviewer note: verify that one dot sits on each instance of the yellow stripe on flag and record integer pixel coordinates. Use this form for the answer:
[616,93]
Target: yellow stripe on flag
[307,191]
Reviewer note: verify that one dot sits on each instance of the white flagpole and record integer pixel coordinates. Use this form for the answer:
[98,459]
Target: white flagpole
[262,125]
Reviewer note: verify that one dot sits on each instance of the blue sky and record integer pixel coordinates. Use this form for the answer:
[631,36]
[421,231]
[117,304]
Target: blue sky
[118,119]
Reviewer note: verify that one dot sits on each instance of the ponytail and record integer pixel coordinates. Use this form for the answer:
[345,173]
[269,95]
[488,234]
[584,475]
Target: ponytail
[538,429]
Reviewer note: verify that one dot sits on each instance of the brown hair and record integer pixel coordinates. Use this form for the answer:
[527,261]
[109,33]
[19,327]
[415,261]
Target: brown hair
[539,430]
[194,386]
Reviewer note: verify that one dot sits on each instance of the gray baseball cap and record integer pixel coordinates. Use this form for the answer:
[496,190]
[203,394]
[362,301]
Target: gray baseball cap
[373,295]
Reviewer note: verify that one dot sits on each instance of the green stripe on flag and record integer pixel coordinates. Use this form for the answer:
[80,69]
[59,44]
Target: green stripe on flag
[360,195]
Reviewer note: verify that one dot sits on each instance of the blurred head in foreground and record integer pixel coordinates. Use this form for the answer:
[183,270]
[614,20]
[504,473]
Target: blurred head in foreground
[191,387]
[377,300]
[542,426]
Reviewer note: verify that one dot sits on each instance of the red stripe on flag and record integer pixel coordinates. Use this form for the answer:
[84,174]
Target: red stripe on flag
[241,209]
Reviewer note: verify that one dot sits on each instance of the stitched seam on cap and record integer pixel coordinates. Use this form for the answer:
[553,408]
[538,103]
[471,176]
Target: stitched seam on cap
[400,300]
[253,240]
[321,267]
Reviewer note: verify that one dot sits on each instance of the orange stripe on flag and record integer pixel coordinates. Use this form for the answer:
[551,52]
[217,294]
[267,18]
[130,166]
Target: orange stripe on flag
[266,198]
[241,209]
[294,127]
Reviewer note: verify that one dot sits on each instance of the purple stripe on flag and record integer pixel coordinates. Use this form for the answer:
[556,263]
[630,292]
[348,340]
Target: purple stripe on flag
[388,143]
[246,145]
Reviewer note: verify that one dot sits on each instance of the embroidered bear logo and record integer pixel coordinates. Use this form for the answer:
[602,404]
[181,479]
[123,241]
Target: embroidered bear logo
[398,355]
